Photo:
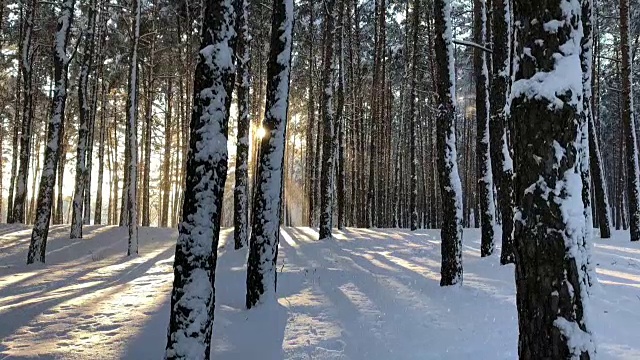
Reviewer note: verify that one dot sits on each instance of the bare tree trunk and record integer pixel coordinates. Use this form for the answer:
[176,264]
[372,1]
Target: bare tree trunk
[132,134]
[38,245]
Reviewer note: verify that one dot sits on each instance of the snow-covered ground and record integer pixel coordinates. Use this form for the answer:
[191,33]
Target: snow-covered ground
[369,294]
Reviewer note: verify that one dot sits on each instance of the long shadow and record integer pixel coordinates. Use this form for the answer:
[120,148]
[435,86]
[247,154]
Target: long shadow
[360,329]
[23,315]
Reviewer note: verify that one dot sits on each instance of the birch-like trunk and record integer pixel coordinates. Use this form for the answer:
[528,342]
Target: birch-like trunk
[328,121]
[132,134]
[38,245]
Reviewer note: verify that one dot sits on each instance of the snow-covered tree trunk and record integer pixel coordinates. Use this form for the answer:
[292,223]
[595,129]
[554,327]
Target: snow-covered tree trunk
[501,162]
[328,121]
[132,134]
[311,121]
[340,120]
[413,113]
[483,157]
[14,145]
[193,295]
[241,190]
[551,252]
[20,200]
[265,234]
[38,244]
[450,186]
[97,218]
[628,118]
[84,106]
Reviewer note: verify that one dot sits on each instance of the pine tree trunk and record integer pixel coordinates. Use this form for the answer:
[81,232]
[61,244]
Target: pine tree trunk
[450,186]
[341,195]
[193,295]
[483,158]
[311,121]
[413,113]
[502,165]
[14,146]
[166,162]
[83,127]
[97,219]
[551,253]
[38,244]
[328,136]
[628,118]
[132,134]
[20,199]
[265,234]
[241,190]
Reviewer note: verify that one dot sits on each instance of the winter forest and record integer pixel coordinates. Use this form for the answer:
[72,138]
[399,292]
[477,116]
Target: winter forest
[319,179]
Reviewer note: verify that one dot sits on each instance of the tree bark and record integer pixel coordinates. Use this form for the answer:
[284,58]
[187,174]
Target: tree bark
[241,190]
[450,186]
[265,234]
[193,295]
[20,200]
[328,114]
[551,254]
[132,134]
[38,245]
[83,127]
[483,158]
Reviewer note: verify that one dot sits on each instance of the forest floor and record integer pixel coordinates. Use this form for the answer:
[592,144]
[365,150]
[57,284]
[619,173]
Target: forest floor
[368,294]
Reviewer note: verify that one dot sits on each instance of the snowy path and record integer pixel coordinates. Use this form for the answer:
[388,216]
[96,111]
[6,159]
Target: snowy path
[367,295]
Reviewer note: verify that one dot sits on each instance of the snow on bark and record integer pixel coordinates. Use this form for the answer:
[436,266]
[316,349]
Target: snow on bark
[552,256]
[265,235]
[483,162]
[413,123]
[132,134]
[193,295]
[241,190]
[37,247]
[20,200]
[450,186]
[328,153]
[502,165]
[83,127]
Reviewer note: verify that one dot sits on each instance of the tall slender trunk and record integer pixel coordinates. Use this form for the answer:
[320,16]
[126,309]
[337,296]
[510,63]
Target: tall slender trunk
[241,190]
[340,131]
[20,200]
[38,245]
[450,186]
[265,234]
[483,158]
[328,136]
[166,161]
[413,113]
[97,219]
[628,118]
[501,162]
[193,295]
[132,134]
[83,127]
